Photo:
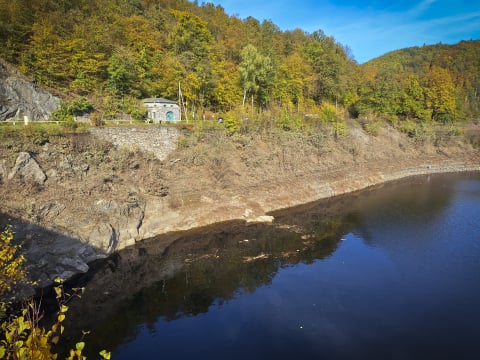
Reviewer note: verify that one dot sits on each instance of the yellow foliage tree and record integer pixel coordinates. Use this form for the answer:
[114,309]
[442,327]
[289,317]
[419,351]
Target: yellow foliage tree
[440,94]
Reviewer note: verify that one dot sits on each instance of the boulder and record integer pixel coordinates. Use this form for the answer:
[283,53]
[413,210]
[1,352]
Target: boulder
[250,217]
[261,219]
[27,169]
[75,265]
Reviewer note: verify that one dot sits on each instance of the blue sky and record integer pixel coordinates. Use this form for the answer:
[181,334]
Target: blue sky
[369,28]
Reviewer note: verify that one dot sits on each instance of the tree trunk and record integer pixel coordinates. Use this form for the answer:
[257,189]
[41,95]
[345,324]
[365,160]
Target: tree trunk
[252,106]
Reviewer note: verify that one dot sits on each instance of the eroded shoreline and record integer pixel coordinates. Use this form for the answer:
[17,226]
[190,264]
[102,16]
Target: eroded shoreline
[77,199]
[280,197]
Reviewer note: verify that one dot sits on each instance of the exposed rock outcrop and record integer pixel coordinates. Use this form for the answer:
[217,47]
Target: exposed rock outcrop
[51,254]
[20,97]
[27,169]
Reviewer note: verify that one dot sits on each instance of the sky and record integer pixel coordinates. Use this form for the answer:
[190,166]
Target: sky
[369,28]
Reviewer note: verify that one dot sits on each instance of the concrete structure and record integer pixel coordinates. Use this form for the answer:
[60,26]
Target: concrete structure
[160,110]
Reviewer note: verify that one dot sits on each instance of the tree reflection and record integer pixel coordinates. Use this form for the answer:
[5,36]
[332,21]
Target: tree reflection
[184,274]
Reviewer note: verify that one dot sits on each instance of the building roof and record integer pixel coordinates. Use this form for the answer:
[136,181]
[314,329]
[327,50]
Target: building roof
[159,101]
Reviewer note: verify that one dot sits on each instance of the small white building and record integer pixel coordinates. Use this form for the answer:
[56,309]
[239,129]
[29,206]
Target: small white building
[160,110]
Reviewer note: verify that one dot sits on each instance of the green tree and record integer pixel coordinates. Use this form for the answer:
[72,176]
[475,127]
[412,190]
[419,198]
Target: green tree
[191,35]
[122,73]
[381,94]
[330,65]
[413,101]
[256,72]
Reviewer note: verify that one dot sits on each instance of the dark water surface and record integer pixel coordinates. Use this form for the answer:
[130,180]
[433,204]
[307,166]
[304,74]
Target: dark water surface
[389,273]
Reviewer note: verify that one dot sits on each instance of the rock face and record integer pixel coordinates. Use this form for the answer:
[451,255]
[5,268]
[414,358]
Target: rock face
[20,97]
[66,256]
[118,223]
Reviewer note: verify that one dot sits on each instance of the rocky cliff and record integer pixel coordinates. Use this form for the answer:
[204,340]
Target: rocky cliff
[20,97]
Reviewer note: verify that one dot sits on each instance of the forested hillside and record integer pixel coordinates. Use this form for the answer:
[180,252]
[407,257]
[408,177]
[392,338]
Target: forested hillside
[114,52]
[439,82]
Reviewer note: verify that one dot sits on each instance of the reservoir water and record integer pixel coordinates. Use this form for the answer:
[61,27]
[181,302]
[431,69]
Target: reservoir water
[385,273]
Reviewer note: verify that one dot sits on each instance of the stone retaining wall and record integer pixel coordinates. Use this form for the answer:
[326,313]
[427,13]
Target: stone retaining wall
[160,141]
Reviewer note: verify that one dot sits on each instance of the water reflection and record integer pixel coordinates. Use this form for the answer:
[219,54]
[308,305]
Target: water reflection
[178,275]
[353,273]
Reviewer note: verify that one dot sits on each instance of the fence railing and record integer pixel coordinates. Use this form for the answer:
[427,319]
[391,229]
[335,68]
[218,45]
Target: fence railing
[15,122]
[23,122]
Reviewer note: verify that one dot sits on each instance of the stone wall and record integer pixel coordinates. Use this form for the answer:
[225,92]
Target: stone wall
[160,141]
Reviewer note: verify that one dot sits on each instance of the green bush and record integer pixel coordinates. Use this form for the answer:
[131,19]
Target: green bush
[231,122]
[77,107]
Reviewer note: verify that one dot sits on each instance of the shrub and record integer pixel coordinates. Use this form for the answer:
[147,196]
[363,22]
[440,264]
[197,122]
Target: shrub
[409,127]
[372,125]
[77,107]
[97,119]
[231,123]
[288,121]
[12,272]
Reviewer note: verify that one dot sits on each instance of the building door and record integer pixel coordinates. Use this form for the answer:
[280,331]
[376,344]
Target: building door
[170,116]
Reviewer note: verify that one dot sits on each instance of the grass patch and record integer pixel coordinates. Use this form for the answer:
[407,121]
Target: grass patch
[40,132]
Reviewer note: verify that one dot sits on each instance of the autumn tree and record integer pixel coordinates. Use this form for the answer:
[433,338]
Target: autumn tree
[191,43]
[440,94]
[294,81]
[45,57]
[15,27]
[113,49]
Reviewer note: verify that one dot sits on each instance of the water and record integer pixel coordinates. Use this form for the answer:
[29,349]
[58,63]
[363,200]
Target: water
[390,273]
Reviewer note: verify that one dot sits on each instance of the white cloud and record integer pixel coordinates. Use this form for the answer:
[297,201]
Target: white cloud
[421,7]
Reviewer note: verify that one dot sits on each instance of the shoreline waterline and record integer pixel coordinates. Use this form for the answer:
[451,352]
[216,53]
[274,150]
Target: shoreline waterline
[309,191]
